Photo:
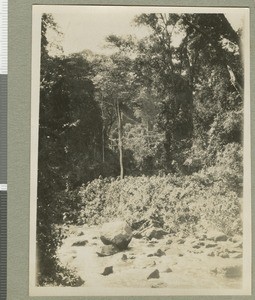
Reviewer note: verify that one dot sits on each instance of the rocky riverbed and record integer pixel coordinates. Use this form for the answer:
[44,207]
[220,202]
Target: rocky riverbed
[208,260]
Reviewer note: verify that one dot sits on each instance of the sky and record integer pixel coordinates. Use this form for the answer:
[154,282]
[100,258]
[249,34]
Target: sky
[86,27]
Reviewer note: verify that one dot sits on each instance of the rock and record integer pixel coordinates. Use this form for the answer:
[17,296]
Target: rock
[233,271]
[196,246]
[229,272]
[138,224]
[180,254]
[150,255]
[210,245]
[107,271]
[124,257]
[132,257]
[201,243]
[224,255]
[168,270]
[215,271]
[235,239]
[107,250]
[105,240]
[94,238]
[211,254]
[116,233]
[181,241]
[155,233]
[150,265]
[220,238]
[235,251]
[217,236]
[202,237]
[153,241]
[159,253]
[80,234]
[239,245]
[137,235]
[238,255]
[154,274]
[159,285]
[169,242]
[80,243]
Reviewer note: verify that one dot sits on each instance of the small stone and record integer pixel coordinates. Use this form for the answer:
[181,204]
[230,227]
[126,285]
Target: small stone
[181,241]
[107,250]
[239,245]
[81,233]
[94,238]
[154,274]
[203,237]
[155,233]
[235,239]
[153,241]
[168,270]
[180,254]
[159,253]
[233,272]
[215,271]
[80,243]
[169,242]
[150,265]
[217,236]
[107,271]
[124,257]
[94,244]
[211,254]
[137,235]
[224,255]
[132,257]
[150,255]
[159,285]
[238,255]
[220,238]
[196,246]
[210,245]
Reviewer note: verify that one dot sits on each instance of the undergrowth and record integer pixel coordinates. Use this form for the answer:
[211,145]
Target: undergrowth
[171,202]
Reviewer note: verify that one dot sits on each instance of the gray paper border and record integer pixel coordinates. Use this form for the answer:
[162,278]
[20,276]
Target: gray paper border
[19,98]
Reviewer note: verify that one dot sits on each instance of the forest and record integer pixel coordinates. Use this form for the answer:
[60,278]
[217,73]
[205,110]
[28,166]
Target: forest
[152,133]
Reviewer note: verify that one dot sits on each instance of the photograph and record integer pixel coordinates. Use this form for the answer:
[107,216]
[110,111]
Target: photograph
[140,151]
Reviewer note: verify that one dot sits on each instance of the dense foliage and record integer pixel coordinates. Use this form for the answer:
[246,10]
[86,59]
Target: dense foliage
[168,201]
[151,132]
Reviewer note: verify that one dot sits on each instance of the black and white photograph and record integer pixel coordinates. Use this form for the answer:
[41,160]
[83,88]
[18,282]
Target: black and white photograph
[140,151]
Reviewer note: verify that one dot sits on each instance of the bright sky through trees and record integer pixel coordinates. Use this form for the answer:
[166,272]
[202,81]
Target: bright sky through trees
[86,28]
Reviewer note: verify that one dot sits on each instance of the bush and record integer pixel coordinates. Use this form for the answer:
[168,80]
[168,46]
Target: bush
[171,202]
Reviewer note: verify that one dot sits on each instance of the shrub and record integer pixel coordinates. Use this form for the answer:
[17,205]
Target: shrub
[170,201]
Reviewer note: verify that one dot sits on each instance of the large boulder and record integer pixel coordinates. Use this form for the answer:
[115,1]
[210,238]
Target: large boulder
[117,233]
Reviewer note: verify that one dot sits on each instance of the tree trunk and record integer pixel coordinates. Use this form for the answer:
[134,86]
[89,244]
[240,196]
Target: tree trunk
[103,143]
[120,139]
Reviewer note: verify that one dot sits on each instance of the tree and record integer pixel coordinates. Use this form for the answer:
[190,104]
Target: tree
[69,145]
[115,87]
[189,59]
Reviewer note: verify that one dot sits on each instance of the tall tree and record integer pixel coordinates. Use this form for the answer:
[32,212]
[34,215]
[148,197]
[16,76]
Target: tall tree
[69,144]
